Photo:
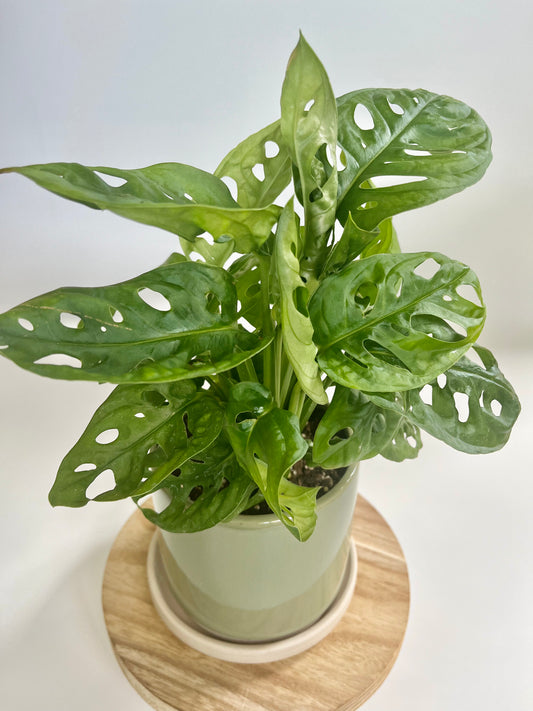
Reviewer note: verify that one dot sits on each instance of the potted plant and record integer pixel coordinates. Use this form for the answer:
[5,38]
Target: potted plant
[281,347]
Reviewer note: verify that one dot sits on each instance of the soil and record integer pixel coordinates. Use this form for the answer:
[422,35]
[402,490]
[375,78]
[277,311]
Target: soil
[303,474]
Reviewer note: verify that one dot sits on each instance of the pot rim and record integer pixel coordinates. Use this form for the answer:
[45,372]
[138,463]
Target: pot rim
[247,522]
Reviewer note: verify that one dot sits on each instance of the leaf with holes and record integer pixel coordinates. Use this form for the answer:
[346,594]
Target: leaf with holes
[353,428]
[178,321]
[491,405]
[405,443]
[381,325]
[246,272]
[175,197]
[208,489]
[267,442]
[309,129]
[296,327]
[416,147]
[140,434]
[260,166]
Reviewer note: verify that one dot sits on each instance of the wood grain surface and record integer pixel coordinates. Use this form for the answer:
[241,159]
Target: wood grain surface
[338,674]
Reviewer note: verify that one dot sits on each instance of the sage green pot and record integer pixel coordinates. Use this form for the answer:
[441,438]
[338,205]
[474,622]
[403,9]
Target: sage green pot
[250,580]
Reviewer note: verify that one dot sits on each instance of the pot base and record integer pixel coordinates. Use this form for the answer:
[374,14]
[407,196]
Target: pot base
[183,627]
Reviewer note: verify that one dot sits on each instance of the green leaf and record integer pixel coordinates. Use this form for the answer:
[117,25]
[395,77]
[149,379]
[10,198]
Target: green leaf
[405,443]
[246,272]
[210,488]
[355,242]
[296,327]
[141,434]
[309,129]
[439,142]
[217,253]
[353,428]
[381,325]
[471,407]
[178,321]
[175,197]
[267,442]
[272,172]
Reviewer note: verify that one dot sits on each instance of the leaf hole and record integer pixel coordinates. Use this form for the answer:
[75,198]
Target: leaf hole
[426,394]
[308,106]
[299,297]
[176,473]
[26,325]
[467,291]
[188,197]
[70,320]
[246,324]
[388,181]
[427,269]
[369,205]
[340,159]
[86,467]
[155,398]
[253,290]
[353,359]
[398,289]
[496,407]
[461,405]
[379,423]
[154,299]
[341,436]
[107,436]
[411,441]
[363,118]
[104,482]
[271,149]
[413,152]
[315,195]
[140,415]
[223,485]
[59,359]
[475,358]
[447,298]
[442,380]
[243,416]
[395,108]
[259,171]
[117,316]
[186,423]
[213,303]
[457,328]
[112,180]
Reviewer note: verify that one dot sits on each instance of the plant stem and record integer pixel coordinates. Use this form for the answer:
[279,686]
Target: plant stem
[288,379]
[278,361]
[246,371]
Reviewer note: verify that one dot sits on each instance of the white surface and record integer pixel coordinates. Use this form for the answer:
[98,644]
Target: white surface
[129,83]
[181,625]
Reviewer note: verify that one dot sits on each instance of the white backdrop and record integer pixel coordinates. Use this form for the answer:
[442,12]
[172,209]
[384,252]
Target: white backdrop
[131,83]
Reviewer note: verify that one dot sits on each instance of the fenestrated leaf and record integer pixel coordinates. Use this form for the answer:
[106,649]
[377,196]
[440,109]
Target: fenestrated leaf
[260,178]
[296,327]
[216,253]
[380,325]
[267,442]
[355,242]
[175,322]
[405,443]
[309,129]
[141,434]
[481,423]
[431,145]
[353,428]
[175,197]
[246,272]
[208,489]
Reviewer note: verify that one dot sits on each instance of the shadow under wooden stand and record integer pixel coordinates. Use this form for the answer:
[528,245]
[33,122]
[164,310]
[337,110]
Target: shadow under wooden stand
[338,674]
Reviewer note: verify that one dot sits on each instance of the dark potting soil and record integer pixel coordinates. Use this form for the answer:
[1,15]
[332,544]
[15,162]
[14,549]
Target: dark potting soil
[303,474]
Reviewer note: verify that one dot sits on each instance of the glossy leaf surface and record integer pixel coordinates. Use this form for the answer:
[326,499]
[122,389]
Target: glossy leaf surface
[178,321]
[381,325]
[260,166]
[296,327]
[429,146]
[472,407]
[309,129]
[175,197]
[267,442]
[208,489]
[140,434]
[353,428]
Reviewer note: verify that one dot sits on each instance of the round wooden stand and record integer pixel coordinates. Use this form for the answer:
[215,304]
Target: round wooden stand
[338,674]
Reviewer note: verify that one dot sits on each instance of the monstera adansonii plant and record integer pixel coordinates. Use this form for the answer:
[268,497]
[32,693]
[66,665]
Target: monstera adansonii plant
[223,354]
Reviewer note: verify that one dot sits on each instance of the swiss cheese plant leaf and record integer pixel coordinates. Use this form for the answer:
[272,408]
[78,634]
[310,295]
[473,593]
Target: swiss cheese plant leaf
[267,442]
[471,407]
[309,129]
[175,197]
[355,242]
[406,442]
[207,489]
[395,321]
[427,146]
[353,428]
[296,327]
[175,322]
[260,166]
[136,439]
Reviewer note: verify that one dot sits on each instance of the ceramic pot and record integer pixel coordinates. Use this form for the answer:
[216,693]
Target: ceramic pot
[250,580]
